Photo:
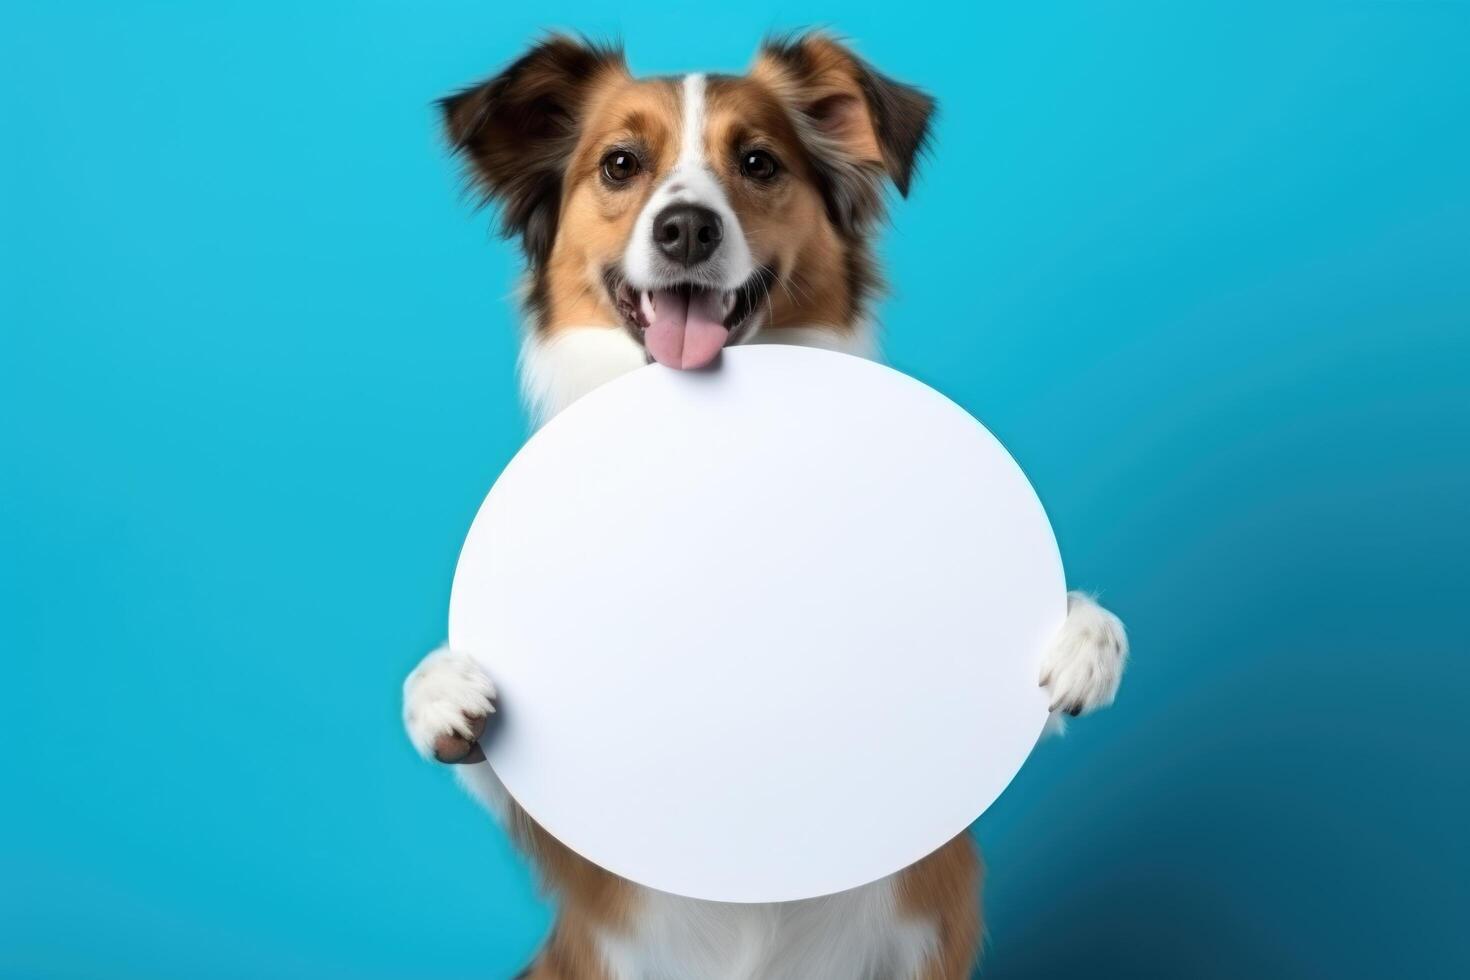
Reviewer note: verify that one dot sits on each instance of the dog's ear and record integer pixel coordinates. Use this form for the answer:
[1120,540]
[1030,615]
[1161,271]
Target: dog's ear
[517,130]
[855,120]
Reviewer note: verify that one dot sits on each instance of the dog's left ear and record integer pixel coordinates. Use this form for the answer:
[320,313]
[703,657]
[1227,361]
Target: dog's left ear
[847,109]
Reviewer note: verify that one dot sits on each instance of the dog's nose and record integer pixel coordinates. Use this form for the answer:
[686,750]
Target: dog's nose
[687,233]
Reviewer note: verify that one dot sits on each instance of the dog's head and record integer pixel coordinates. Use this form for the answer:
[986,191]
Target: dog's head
[697,210]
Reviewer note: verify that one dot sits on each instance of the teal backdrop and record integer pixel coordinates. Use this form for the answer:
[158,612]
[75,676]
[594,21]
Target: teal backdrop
[1205,269]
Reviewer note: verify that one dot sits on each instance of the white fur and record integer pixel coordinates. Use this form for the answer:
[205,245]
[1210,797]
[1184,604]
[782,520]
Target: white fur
[481,782]
[689,182]
[438,695]
[691,137]
[1084,664]
[854,935]
[559,369]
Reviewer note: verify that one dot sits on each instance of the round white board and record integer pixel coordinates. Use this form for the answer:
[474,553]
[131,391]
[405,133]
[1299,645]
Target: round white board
[764,632]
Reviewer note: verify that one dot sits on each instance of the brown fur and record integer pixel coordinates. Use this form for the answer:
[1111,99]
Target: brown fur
[785,223]
[592,901]
[535,135]
[595,220]
[944,888]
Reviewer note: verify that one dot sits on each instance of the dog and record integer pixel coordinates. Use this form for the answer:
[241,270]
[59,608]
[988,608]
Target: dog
[664,219]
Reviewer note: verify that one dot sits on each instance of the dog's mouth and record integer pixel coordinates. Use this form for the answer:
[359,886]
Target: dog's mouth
[687,325]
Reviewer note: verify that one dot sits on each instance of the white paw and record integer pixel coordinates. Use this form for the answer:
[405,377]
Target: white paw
[1082,668]
[445,703]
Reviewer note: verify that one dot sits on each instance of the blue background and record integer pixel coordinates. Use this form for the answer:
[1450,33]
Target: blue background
[1205,271]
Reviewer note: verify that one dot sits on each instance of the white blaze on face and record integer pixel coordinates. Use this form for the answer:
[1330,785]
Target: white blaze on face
[691,181]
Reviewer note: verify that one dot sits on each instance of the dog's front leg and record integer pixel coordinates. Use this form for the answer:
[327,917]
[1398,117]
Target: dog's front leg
[1084,664]
[447,700]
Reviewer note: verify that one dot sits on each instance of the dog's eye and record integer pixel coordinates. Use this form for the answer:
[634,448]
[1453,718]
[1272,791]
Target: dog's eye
[619,166]
[758,165]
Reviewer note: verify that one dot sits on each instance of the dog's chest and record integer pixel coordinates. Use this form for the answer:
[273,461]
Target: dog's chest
[857,935]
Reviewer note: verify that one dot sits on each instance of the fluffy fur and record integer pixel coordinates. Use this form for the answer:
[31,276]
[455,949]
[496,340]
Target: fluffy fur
[794,266]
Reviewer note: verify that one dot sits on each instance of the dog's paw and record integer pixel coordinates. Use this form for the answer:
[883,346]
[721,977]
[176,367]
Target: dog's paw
[446,701]
[1082,668]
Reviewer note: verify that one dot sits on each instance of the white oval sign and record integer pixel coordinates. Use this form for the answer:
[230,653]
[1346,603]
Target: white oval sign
[764,632]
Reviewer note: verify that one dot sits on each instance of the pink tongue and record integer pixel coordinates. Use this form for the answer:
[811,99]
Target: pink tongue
[686,331]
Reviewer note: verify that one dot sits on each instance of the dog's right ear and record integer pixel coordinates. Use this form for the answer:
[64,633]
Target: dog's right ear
[518,129]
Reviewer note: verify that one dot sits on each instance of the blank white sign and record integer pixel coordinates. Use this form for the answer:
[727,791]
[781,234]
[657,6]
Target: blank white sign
[764,632]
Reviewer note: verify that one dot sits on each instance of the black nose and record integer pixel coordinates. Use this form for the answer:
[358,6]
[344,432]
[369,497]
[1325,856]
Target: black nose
[687,233]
